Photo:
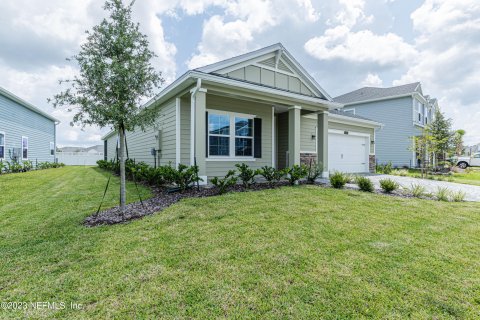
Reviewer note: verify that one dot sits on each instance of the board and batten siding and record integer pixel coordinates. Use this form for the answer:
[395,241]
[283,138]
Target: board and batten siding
[393,142]
[271,78]
[140,143]
[16,121]
[262,111]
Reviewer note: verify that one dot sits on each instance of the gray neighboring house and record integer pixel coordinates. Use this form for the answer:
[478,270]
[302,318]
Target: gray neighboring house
[26,132]
[403,111]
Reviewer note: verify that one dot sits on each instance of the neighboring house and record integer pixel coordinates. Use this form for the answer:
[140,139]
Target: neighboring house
[261,108]
[403,110]
[26,132]
[80,156]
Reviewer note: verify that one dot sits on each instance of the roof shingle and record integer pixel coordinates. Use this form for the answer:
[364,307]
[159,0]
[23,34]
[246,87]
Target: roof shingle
[372,93]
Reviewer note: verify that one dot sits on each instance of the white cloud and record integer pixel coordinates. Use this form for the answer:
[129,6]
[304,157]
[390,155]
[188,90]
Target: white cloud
[341,42]
[372,80]
[448,64]
[362,46]
[234,32]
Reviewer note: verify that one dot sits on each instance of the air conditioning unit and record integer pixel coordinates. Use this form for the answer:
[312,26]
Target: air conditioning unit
[16,154]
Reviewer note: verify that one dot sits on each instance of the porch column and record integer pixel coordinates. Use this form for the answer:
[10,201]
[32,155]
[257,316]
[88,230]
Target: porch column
[198,137]
[294,135]
[322,141]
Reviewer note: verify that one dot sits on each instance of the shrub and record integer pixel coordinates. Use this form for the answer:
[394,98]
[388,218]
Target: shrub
[458,196]
[271,174]
[365,184]
[314,171]
[226,182]
[14,167]
[185,176]
[338,180]
[2,166]
[246,175]
[388,185]
[295,173]
[27,165]
[442,194]
[384,168]
[417,190]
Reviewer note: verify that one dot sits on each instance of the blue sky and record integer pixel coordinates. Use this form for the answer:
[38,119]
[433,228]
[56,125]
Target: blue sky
[344,44]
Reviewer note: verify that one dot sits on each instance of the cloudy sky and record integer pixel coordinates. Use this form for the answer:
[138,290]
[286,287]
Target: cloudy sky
[345,44]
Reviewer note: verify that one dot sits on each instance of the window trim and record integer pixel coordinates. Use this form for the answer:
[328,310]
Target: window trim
[52,148]
[232,136]
[4,144]
[24,137]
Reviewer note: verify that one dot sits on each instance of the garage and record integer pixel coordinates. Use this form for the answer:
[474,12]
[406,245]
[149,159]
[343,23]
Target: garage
[348,152]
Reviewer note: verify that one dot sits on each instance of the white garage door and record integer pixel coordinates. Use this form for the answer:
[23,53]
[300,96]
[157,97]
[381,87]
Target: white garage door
[348,153]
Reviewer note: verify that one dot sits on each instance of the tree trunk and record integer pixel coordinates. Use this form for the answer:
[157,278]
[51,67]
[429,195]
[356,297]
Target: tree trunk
[121,157]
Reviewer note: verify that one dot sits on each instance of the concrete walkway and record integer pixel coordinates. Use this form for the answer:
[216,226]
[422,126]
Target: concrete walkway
[472,193]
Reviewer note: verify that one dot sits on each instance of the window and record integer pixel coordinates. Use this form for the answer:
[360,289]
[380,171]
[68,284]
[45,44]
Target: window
[52,148]
[2,145]
[230,135]
[24,148]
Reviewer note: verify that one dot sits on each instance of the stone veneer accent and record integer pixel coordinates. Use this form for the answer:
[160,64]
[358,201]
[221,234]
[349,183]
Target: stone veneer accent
[371,163]
[305,158]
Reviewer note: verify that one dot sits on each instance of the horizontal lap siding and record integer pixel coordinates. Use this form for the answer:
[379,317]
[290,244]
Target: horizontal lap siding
[185,131]
[307,129]
[352,128]
[220,168]
[140,142]
[393,142]
[17,121]
[111,147]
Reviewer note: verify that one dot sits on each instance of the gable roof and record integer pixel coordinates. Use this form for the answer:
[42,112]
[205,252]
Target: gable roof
[264,56]
[373,93]
[27,105]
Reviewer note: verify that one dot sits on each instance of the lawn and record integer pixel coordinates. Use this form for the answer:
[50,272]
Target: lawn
[293,252]
[471,176]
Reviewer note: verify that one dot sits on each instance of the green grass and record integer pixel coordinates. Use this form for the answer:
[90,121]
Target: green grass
[472,177]
[293,252]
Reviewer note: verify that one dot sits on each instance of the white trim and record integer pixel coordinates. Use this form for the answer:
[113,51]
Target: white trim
[295,107]
[21,147]
[273,137]
[4,145]
[177,131]
[236,159]
[350,109]
[348,120]
[350,133]
[302,151]
[52,149]
[236,114]
[232,134]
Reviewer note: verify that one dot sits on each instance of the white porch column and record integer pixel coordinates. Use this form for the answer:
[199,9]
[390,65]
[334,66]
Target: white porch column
[198,131]
[294,135]
[322,141]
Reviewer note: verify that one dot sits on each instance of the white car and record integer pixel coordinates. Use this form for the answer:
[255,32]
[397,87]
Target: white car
[473,161]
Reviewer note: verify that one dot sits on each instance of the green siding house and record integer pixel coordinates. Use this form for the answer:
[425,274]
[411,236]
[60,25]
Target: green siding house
[261,108]
[26,132]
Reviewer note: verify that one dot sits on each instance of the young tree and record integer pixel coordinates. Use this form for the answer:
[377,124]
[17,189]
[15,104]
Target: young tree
[458,141]
[441,130]
[424,147]
[115,76]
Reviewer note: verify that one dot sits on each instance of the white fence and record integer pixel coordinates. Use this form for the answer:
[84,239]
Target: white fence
[79,158]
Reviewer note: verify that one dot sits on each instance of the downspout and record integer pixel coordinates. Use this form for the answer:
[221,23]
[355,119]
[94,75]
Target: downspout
[192,119]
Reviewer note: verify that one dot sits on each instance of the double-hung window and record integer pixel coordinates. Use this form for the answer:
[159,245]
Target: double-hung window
[2,145]
[24,148]
[230,135]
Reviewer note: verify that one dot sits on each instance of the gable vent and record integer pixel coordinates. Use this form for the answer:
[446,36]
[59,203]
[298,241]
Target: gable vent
[269,62]
[282,66]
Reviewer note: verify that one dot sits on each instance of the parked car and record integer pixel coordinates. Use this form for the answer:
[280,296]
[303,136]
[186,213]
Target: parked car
[472,161]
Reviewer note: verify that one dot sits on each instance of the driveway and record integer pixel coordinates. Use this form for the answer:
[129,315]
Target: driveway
[472,193]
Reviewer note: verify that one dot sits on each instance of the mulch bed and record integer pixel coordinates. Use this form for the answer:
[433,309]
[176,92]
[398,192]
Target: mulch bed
[160,201]
[163,199]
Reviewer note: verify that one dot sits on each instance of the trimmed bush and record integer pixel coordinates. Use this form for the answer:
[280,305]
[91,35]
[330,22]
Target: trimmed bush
[314,171]
[338,180]
[295,173]
[185,176]
[226,182]
[365,184]
[271,175]
[246,175]
[388,185]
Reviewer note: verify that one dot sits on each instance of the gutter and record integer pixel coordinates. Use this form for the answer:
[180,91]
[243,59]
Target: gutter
[193,108]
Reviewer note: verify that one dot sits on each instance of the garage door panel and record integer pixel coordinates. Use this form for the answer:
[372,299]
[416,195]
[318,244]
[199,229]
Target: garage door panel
[347,153]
